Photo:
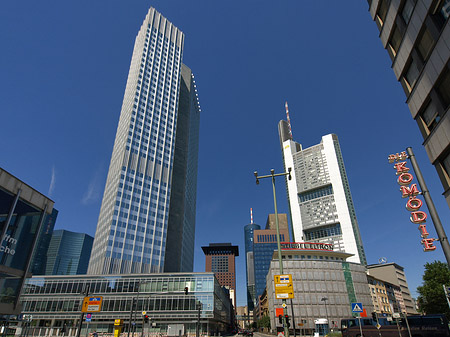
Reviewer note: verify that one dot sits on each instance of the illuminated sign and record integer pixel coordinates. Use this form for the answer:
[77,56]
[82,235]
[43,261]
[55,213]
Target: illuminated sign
[307,246]
[413,204]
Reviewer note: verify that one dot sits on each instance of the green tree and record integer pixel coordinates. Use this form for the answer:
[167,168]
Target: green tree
[431,298]
[264,322]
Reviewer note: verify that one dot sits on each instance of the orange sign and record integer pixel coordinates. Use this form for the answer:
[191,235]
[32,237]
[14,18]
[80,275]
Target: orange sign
[279,311]
[92,304]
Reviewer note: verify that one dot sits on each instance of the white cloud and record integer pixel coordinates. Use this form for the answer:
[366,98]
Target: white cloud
[92,193]
[52,182]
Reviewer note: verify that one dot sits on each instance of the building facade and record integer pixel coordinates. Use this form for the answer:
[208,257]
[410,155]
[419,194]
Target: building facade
[416,35]
[68,253]
[220,259]
[147,218]
[25,213]
[394,274]
[324,284]
[319,195]
[55,303]
[249,264]
[264,244]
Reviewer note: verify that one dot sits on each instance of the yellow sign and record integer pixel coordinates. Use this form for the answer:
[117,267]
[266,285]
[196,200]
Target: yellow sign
[283,286]
[118,322]
[92,304]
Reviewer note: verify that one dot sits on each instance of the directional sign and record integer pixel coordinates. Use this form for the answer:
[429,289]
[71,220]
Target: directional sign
[357,307]
[92,304]
[283,286]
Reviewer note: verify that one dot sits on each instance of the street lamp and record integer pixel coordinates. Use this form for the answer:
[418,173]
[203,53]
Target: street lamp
[325,299]
[280,260]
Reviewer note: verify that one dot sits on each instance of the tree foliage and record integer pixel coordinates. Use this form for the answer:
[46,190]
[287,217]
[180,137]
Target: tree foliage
[431,298]
[264,322]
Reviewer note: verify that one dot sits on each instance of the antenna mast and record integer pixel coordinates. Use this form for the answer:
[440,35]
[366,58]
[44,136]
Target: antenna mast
[288,119]
[251,215]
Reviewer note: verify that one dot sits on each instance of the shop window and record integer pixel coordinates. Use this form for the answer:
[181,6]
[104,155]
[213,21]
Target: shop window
[443,89]
[430,117]
[395,41]
[381,13]
[425,44]
[406,11]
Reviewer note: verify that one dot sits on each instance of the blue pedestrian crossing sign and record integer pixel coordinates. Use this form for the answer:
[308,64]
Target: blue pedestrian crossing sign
[357,307]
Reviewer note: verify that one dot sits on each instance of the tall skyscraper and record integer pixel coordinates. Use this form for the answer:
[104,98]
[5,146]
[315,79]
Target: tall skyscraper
[416,35]
[68,253]
[147,218]
[319,194]
[249,265]
[220,259]
[264,244]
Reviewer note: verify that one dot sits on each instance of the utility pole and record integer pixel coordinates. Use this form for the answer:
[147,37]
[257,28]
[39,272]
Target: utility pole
[280,259]
[80,323]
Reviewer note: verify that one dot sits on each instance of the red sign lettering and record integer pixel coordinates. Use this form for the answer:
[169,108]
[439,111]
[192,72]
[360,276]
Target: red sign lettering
[418,217]
[413,204]
[401,168]
[428,245]
[405,179]
[423,231]
[409,191]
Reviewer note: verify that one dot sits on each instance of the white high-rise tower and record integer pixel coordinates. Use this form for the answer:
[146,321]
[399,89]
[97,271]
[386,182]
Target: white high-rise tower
[147,218]
[319,194]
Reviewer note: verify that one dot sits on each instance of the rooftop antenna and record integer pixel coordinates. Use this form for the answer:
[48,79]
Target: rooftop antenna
[251,215]
[288,119]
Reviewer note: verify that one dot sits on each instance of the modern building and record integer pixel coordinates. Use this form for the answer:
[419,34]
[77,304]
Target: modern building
[220,259]
[24,214]
[54,302]
[394,274]
[147,218]
[249,265]
[324,284]
[416,35]
[319,195]
[40,255]
[264,244]
[68,253]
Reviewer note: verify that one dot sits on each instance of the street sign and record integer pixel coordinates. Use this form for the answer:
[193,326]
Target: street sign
[378,326]
[280,334]
[92,304]
[283,286]
[144,312]
[279,311]
[88,317]
[284,305]
[396,315]
[357,307]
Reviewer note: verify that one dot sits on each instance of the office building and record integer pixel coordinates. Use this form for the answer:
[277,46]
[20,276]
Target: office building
[264,244]
[324,282]
[386,297]
[416,35]
[40,255]
[55,302]
[394,274]
[319,195]
[220,259]
[249,265]
[147,217]
[68,253]
[24,214]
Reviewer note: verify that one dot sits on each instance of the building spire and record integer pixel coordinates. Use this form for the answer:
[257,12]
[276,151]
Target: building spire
[251,215]
[288,120]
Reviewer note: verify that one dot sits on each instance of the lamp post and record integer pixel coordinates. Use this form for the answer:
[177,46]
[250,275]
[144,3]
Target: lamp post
[325,299]
[280,260]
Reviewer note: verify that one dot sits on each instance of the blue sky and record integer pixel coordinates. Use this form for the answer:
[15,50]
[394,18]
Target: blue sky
[63,70]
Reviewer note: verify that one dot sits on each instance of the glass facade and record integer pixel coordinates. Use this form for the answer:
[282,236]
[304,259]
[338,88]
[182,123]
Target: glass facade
[24,214]
[149,199]
[249,264]
[56,301]
[262,255]
[68,253]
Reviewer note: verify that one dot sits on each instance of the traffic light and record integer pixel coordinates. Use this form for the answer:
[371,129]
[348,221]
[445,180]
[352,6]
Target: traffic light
[280,319]
[287,320]
[146,318]
[374,315]
[186,290]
